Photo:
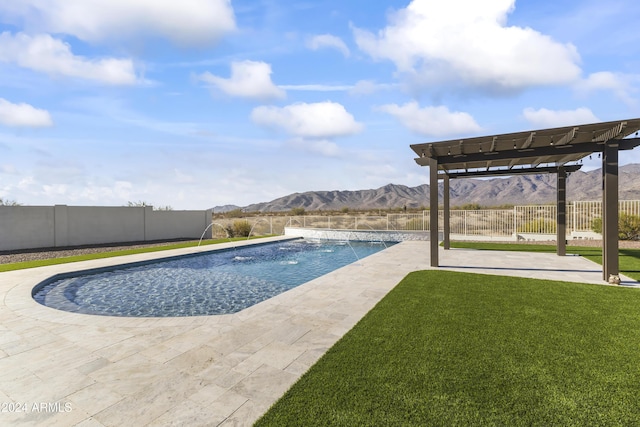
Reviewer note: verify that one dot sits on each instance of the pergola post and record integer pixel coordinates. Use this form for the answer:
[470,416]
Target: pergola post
[610,262]
[561,212]
[447,240]
[433,210]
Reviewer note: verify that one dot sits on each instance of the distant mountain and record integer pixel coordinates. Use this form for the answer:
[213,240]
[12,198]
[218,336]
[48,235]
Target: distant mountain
[520,189]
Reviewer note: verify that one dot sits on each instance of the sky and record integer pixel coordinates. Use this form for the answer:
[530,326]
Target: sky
[199,103]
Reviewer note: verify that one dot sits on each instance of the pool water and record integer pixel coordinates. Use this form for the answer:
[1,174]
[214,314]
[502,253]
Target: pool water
[216,282]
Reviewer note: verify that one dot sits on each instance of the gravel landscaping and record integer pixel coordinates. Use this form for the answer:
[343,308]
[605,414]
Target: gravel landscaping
[48,253]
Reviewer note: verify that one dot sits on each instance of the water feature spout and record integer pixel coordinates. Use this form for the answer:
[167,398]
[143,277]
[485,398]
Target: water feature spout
[254,225]
[374,232]
[349,243]
[291,219]
[211,225]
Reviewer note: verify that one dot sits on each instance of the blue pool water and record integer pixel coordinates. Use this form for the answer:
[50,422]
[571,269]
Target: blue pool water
[216,282]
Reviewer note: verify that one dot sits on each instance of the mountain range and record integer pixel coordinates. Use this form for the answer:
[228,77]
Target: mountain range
[516,190]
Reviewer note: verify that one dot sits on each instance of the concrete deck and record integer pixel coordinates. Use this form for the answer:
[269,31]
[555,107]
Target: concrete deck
[65,369]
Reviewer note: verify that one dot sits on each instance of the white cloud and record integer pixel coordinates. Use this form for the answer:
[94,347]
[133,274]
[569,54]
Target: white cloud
[544,118]
[621,85]
[316,120]
[185,22]
[467,43]
[23,115]
[328,41]
[367,87]
[249,79]
[317,88]
[8,169]
[45,54]
[432,121]
[322,146]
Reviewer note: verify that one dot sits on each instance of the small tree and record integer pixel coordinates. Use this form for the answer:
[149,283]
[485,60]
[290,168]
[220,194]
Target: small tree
[298,211]
[628,226]
[240,228]
[4,202]
[471,207]
[235,213]
[538,226]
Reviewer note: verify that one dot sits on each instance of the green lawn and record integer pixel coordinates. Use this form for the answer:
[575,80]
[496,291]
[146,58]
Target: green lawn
[64,260]
[447,348]
[629,258]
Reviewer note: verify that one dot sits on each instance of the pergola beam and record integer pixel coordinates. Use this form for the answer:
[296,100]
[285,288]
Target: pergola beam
[521,171]
[533,153]
[528,141]
[611,133]
[570,136]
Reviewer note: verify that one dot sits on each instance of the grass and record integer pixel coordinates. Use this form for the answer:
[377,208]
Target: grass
[449,348]
[85,257]
[629,259]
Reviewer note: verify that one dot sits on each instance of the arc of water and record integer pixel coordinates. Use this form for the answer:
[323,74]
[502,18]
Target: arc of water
[254,225]
[349,243]
[291,219]
[211,225]
[372,229]
[401,238]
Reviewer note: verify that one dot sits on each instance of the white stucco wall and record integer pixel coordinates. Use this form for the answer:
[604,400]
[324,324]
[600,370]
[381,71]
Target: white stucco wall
[24,227]
[30,227]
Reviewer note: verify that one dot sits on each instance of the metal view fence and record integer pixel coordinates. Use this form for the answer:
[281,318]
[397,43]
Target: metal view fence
[536,219]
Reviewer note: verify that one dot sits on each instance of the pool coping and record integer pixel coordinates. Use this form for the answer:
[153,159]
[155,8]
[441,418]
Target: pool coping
[206,370]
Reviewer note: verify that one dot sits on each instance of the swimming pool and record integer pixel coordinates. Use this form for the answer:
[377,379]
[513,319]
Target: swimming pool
[215,282]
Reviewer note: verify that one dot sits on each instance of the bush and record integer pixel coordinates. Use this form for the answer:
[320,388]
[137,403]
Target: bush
[628,226]
[469,207]
[297,211]
[240,228]
[538,226]
[235,213]
[415,224]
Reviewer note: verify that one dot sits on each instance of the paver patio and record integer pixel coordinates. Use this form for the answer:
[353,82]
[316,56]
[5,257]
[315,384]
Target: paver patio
[71,369]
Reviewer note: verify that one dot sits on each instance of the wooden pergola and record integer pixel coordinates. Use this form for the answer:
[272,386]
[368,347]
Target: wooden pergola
[556,150]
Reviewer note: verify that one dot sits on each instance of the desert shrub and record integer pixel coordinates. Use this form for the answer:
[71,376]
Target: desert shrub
[469,207]
[8,202]
[235,213]
[240,228]
[415,224]
[628,226]
[298,211]
[538,226]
